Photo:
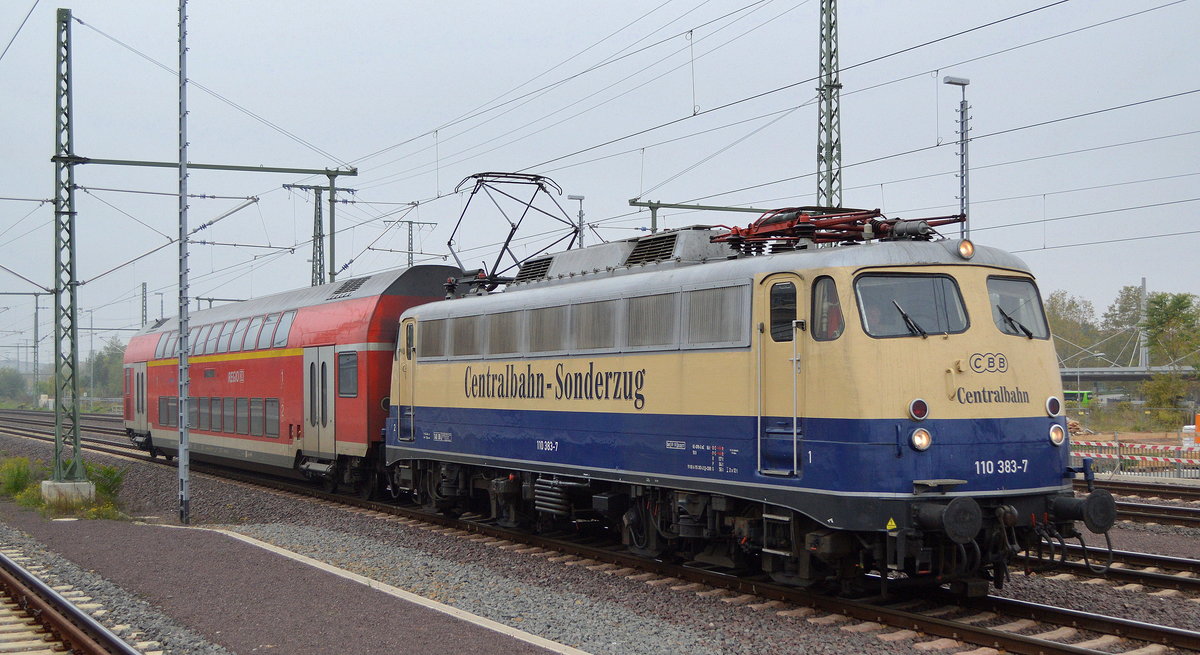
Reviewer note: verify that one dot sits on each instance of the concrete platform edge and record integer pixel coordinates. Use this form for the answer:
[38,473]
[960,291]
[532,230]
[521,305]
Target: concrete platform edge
[495,626]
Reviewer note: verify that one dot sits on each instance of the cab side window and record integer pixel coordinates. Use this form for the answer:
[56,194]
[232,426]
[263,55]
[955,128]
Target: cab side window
[826,310]
[783,310]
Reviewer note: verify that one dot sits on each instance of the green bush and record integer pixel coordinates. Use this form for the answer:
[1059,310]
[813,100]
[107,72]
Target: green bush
[108,480]
[16,475]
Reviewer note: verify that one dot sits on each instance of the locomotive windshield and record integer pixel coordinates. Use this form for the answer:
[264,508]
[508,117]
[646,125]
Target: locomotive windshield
[1016,307]
[903,305]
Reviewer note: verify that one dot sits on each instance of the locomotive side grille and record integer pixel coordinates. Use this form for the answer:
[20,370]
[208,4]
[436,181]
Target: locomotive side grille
[534,270]
[348,287]
[652,249]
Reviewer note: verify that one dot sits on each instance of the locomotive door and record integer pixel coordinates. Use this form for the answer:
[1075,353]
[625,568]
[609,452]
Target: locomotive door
[406,403]
[781,299]
[318,437]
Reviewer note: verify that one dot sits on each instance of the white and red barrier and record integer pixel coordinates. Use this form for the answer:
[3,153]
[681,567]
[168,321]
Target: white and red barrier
[1122,455]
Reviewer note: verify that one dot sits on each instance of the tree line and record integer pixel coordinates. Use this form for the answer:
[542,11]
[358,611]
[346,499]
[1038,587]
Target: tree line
[1171,325]
[100,375]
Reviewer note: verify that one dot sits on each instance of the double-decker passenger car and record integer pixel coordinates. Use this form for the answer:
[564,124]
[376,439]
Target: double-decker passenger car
[819,413]
[296,381]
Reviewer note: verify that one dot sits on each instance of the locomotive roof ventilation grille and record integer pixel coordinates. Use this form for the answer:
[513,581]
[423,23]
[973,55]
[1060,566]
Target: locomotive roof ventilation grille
[534,270]
[652,249]
[347,288]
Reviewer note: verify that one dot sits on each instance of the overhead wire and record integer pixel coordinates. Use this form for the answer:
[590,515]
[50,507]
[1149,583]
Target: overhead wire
[612,59]
[19,28]
[214,94]
[423,169]
[785,87]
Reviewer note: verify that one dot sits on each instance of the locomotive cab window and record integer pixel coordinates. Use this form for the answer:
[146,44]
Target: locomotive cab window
[347,372]
[1017,308]
[827,319]
[783,311]
[909,305]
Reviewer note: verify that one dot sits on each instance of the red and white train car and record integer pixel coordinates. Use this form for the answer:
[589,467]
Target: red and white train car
[294,381]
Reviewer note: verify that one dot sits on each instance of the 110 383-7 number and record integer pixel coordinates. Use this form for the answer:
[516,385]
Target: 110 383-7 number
[1001,466]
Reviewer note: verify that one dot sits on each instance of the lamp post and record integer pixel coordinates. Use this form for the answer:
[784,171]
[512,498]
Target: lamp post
[964,232]
[580,199]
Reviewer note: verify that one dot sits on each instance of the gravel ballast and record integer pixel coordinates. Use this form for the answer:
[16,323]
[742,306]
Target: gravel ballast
[590,610]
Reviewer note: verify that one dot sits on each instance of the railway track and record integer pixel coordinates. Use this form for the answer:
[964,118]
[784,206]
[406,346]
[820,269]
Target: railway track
[1030,628]
[1178,492]
[37,620]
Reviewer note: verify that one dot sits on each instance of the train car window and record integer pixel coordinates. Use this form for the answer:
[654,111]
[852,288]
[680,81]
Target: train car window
[205,422]
[256,417]
[285,327]
[193,413]
[827,319]
[214,336]
[161,348]
[243,415]
[267,336]
[225,335]
[909,305]
[594,324]
[312,393]
[465,335]
[652,320]
[238,333]
[173,411]
[230,415]
[1017,307]
[252,333]
[200,345]
[215,410]
[408,341]
[432,340]
[716,315]
[783,311]
[347,372]
[548,329]
[162,411]
[504,332]
[271,411]
[324,395]
[174,344]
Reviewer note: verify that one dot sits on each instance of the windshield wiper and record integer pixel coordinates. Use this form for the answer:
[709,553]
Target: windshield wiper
[1014,323]
[912,325]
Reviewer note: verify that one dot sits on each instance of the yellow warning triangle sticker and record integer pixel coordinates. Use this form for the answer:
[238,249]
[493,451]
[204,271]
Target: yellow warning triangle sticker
[891,524]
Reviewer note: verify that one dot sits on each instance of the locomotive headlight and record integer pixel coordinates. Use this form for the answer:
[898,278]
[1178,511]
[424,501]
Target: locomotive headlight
[921,439]
[966,249]
[1057,434]
[1053,406]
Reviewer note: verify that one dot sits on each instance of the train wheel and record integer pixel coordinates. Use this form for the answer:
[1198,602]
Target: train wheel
[641,534]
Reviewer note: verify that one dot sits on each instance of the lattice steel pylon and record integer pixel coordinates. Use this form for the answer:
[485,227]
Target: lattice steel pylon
[829,122]
[68,467]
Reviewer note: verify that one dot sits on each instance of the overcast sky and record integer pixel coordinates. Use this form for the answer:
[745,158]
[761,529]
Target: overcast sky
[1077,139]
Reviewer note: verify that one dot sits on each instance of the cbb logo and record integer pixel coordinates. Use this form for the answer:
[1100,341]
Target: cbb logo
[989,363]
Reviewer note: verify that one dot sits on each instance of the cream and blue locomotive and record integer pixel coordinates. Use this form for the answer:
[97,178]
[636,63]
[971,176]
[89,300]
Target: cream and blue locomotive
[888,404]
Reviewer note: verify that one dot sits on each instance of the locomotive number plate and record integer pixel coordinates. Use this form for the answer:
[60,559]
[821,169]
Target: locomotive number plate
[1001,466]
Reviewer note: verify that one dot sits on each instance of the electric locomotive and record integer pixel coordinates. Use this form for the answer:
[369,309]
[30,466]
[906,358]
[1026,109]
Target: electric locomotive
[295,382]
[824,396]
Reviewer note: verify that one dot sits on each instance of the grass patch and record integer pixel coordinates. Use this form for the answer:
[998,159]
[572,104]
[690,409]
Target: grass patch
[21,480]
